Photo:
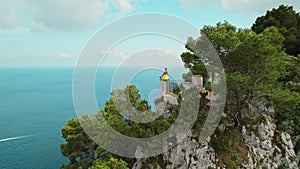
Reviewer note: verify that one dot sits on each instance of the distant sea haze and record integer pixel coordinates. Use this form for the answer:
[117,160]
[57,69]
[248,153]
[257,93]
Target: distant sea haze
[37,102]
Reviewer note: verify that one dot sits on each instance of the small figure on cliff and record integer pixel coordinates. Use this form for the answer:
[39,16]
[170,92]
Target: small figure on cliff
[164,76]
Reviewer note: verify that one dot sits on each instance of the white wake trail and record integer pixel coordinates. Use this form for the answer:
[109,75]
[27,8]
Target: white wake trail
[14,138]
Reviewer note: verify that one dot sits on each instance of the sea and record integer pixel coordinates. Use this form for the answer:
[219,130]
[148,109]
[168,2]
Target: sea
[36,102]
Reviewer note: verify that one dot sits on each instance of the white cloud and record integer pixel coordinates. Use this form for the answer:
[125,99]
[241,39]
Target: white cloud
[191,4]
[9,18]
[63,15]
[37,26]
[65,55]
[115,53]
[11,12]
[113,57]
[256,6]
[153,58]
[68,14]
[241,6]
[123,6]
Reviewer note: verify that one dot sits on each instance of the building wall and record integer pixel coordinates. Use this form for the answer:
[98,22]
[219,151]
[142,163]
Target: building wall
[164,87]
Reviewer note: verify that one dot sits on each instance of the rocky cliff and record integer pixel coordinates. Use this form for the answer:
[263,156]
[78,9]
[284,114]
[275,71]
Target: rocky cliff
[264,145]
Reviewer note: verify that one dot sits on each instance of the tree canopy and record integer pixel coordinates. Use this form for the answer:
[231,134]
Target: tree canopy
[261,65]
[258,69]
[253,63]
[80,149]
[287,20]
[83,152]
[110,164]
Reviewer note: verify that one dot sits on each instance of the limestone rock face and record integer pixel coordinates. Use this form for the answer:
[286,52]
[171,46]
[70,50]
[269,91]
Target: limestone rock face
[267,148]
[163,109]
[191,155]
[187,155]
[263,153]
[263,150]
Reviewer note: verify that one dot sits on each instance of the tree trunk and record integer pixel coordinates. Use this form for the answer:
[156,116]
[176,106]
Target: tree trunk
[238,102]
[238,108]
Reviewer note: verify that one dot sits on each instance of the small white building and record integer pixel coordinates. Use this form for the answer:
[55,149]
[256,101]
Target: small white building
[197,81]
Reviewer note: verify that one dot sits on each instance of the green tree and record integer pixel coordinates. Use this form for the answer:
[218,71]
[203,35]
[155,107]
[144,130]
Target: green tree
[84,153]
[253,64]
[80,149]
[193,62]
[287,20]
[132,105]
[112,163]
[260,64]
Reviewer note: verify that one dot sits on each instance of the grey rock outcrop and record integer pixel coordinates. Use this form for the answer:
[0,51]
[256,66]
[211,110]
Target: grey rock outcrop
[266,148]
[163,109]
[263,153]
[190,154]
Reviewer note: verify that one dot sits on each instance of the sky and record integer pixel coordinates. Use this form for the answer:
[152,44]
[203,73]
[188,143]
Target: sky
[43,33]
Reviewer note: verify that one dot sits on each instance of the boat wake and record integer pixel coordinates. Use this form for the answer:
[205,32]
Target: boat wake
[14,138]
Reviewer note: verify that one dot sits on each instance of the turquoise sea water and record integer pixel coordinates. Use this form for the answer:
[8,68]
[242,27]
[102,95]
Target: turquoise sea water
[35,103]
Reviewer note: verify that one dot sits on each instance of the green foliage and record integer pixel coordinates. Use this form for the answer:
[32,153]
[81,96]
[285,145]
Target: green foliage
[202,116]
[187,76]
[224,141]
[229,148]
[256,68]
[227,121]
[135,98]
[287,20]
[176,90]
[207,86]
[292,79]
[79,148]
[83,152]
[194,63]
[113,163]
[139,130]
[297,146]
[291,125]
[254,64]
[153,162]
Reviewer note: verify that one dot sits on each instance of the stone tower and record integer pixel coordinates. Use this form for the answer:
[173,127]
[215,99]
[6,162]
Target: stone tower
[164,87]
